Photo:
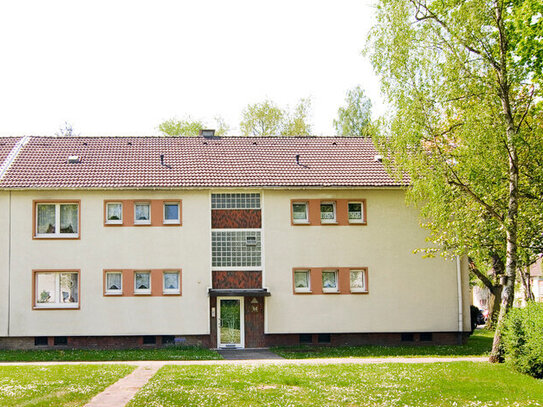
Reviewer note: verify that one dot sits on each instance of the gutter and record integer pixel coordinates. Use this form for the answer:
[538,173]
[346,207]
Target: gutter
[460,300]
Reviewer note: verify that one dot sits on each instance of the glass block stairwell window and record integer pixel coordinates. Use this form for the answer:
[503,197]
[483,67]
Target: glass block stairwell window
[235,201]
[236,248]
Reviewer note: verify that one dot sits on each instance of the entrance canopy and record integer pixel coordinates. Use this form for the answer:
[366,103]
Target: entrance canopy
[239,292]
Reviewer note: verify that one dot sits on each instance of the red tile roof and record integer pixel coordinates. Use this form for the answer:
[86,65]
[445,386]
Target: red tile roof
[6,145]
[134,162]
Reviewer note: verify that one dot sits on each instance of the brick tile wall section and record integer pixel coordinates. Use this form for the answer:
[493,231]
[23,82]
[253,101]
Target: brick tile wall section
[237,279]
[236,219]
[254,322]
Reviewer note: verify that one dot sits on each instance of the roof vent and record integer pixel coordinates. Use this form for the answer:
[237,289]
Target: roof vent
[74,159]
[378,158]
[207,133]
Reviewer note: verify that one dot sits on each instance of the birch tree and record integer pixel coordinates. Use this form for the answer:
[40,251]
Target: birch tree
[465,125]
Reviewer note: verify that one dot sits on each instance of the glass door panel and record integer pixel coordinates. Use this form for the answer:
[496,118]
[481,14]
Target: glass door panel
[230,329]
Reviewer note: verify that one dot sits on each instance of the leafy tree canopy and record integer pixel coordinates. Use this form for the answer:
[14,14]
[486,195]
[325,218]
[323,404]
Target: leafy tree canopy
[191,127]
[354,118]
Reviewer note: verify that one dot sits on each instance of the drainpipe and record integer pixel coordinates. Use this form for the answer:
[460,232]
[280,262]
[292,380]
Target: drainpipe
[460,302]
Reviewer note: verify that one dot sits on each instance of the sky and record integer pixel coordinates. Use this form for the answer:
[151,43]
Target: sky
[122,67]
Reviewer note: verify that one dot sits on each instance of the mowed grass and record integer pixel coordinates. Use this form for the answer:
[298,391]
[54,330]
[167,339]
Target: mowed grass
[61,385]
[479,344]
[389,384]
[168,353]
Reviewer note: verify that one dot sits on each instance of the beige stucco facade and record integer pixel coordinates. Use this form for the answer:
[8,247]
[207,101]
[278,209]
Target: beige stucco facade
[406,292]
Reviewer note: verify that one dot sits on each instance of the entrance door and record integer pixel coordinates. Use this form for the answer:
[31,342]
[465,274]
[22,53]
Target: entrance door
[230,329]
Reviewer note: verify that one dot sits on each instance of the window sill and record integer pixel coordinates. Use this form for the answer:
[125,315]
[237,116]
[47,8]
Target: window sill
[142,223]
[171,293]
[55,307]
[116,294]
[359,292]
[329,223]
[114,223]
[301,222]
[303,292]
[142,293]
[56,237]
[171,222]
[330,292]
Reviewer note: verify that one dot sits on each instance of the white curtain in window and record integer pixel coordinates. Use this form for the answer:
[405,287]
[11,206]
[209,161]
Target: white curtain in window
[171,281]
[142,281]
[46,218]
[113,281]
[46,288]
[68,287]
[114,211]
[142,212]
[68,218]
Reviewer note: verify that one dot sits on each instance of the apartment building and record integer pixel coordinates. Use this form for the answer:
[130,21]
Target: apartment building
[221,242]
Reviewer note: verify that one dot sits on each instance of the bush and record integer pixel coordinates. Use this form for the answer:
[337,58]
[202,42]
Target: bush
[523,339]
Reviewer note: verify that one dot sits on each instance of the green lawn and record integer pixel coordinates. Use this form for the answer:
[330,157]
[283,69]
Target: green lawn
[62,385]
[479,344]
[168,353]
[438,384]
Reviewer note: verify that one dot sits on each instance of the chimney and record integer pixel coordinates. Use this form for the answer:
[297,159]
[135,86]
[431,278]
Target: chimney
[298,159]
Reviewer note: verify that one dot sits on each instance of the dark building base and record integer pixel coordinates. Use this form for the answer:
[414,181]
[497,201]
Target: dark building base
[209,341]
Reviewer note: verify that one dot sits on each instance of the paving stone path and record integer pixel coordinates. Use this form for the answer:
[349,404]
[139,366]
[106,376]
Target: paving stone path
[121,392]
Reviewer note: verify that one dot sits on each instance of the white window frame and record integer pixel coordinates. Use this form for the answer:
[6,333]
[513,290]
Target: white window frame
[333,203]
[361,220]
[57,234]
[171,221]
[329,289]
[303,289]
[301,221]
[170,291]
[114,292]
[58,304]
[146,221]
[141,291]
[364,288]
[114,221]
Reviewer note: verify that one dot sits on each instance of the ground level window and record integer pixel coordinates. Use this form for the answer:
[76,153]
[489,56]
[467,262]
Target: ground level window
[142,282]
[301,281]
[56,290]
[171,282]
[329,281]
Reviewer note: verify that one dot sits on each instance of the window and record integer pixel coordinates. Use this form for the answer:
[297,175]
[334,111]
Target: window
[171,213]
[358,281]
[355,212]
[231,248]
[114,213]
[328,212]
[235,201]
[171,282]
[56,289]
[57,220]
[114,283]
[142,282]
[142,213]
[329,281]
[299,212]
[302,282]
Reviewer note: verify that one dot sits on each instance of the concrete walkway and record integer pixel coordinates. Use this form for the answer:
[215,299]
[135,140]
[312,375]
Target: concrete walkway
[248,354]
[121,392]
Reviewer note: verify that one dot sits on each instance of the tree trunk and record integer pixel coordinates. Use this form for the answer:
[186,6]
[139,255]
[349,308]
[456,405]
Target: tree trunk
[526,284]
[512,211]
[494,306]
